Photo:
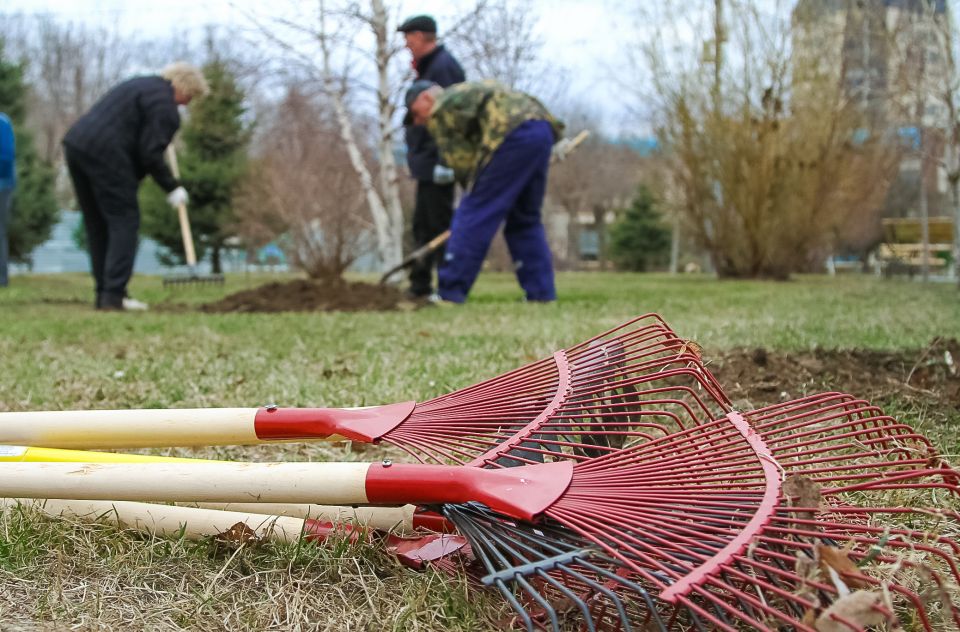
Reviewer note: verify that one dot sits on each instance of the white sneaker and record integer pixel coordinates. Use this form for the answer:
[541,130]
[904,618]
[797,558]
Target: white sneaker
[133,305]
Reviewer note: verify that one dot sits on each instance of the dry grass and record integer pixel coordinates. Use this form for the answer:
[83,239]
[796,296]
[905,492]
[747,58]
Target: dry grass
[97,577]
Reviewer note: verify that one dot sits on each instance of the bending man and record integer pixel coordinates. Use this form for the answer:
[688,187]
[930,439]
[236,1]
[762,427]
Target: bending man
[109,150]
[500,140]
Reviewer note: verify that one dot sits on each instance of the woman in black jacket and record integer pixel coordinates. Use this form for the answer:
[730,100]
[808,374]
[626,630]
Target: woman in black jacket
[109,150]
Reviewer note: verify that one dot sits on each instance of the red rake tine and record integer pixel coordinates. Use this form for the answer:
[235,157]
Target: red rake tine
[788,531]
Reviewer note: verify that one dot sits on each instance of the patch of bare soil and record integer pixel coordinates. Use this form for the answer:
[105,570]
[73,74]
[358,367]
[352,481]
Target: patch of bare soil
[304,295]
[758,377]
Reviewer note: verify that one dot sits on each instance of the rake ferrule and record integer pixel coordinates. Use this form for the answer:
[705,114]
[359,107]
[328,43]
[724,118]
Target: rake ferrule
[520,492]
[357,424]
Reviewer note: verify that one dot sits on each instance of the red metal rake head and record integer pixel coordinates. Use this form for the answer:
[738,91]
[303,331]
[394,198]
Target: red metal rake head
[718,527]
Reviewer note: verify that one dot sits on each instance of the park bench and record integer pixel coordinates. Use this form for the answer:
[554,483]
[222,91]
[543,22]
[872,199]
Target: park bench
[903,251]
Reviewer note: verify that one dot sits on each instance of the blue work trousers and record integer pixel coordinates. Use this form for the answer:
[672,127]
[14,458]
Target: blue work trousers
[508,191]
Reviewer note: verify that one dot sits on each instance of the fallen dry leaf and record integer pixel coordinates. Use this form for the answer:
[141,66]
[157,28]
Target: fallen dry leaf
[802,492]
[837,559]
[237,535]
[859,609]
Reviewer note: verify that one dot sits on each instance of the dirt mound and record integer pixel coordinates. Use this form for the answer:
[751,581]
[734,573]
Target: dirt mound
[761,377]
[304,295]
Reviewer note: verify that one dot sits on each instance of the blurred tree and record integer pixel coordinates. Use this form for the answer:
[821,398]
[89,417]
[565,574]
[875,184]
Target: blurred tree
[770,175]
[72,64]
[639,239]
[594,180]
[212,163]
[304,194]
[34,211]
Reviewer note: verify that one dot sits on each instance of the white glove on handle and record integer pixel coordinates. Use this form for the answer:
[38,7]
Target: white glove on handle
[443,175]
[178,197]
[562,147]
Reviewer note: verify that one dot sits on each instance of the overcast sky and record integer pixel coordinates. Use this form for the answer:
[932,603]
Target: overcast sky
[584,37]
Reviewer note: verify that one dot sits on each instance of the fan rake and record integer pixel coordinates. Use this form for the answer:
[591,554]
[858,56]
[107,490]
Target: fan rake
[598,383]
[696,528]
[613,487]
[830,553]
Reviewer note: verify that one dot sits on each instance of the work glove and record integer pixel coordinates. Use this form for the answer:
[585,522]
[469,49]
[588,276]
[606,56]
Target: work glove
[442,175]
[561,148]
[178,197]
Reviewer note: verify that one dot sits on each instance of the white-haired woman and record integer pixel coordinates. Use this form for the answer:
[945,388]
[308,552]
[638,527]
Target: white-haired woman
[109,150]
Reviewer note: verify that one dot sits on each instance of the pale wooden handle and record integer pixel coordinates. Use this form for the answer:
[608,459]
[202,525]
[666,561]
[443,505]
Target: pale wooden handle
[185,233]
[172,159]
[579,138]
[394,519]
[130,428]
[166,520]
[326,483]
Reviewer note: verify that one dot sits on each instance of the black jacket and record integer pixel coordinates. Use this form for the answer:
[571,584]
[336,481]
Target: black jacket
[127,130]
[439,67]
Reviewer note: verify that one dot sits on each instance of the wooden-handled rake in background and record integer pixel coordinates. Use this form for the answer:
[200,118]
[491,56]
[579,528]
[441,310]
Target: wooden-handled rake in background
[443,237]
[190,254]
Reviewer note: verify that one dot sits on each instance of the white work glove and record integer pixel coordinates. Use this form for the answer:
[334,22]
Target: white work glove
[442,175]
[178,197]
[561,148]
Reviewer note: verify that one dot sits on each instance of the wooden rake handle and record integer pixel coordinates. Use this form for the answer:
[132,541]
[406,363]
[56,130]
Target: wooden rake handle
[185,233]
[196,523]
[159,428]
[384,518]
[520,492]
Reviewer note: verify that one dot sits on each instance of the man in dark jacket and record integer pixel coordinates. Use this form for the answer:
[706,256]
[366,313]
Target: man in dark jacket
[109,150]
[435,188]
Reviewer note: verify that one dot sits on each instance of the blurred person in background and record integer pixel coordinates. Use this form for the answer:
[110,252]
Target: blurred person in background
[8,181]
[109,150]
[500,141]
[435,186]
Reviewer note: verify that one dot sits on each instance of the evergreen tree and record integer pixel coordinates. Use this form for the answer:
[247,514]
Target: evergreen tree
[638,240]
[212,161]
[34,210]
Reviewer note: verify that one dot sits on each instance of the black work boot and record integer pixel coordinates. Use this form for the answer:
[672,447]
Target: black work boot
[107,301]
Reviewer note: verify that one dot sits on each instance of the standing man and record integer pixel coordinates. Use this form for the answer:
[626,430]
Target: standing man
[435,187]
[109,150]
[8,180]
[500,140]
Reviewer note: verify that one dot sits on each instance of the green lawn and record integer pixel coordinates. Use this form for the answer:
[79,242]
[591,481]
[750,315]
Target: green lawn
[62,354]
[59,354]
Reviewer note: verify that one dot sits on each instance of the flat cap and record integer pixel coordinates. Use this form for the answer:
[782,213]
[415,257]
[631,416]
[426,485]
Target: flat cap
[423,23]
[415,89]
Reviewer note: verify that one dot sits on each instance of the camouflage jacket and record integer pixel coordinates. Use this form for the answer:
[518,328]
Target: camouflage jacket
[470,120]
